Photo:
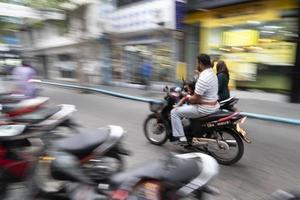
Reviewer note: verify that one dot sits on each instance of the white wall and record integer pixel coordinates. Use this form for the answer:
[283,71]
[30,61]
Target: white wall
[143,16]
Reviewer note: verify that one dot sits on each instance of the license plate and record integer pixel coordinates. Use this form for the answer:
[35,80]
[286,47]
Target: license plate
[243,133]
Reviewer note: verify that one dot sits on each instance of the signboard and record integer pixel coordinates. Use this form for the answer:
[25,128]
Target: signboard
[143,16]
[240,38]
[180,12]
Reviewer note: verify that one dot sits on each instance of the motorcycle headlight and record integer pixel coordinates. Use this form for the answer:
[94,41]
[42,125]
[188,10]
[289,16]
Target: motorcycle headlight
[155,107]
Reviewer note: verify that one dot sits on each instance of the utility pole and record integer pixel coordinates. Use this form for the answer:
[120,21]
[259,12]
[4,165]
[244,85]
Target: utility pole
[295,89]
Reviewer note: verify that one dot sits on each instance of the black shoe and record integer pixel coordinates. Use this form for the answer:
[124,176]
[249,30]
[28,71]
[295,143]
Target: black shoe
[174,139]
[188,146]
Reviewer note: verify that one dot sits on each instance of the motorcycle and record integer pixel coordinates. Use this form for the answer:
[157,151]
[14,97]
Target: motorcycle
[99,155]
[15,97]
[11,98]
[176,177]
[218,134]
[286,195]
[45,117]
[22,107]
[20,146]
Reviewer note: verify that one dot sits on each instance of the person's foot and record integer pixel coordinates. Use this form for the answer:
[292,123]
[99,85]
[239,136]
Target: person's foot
[183,139]
[174,139]
[180,140]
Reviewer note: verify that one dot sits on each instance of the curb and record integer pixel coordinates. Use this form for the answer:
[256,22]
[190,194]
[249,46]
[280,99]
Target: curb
[115,94]
[147,100]
[272,118]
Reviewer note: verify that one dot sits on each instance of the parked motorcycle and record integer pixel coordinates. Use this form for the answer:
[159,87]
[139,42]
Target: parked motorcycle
[46,117]
[20,147]
[22,107]
[176,177]
[184,176]
[218,134]
[85,157]
[286,195]
[11,98]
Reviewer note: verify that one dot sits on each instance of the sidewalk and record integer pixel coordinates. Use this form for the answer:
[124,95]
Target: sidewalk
[250,101]
[157,87]
[156,90]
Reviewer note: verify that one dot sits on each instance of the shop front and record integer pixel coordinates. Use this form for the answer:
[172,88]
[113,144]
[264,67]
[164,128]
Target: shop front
[143,32]
[157,51]
[257,40]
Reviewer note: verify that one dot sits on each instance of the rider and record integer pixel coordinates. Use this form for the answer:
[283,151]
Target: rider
[223,80]
[202,102]
[189,90]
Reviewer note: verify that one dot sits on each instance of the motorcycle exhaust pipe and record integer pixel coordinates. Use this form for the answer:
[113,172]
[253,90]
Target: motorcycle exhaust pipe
[204,141]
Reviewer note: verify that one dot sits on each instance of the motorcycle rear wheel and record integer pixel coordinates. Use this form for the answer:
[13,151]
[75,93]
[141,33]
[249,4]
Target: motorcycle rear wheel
[240,148]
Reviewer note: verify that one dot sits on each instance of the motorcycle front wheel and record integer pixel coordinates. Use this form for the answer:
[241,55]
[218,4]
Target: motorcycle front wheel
[3,186]
[156,132]
[235,149]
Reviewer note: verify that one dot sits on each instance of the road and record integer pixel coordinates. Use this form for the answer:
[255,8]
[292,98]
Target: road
[272,161]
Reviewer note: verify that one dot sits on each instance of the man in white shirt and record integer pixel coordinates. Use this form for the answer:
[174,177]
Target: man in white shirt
[204,100]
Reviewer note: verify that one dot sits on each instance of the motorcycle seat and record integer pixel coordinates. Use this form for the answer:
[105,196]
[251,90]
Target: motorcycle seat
[11,98]
[4,93]
[227,100]
[174,170]
[10,131]
[37,116]
[212,117]
[26,103]
[82,144]
[5,108]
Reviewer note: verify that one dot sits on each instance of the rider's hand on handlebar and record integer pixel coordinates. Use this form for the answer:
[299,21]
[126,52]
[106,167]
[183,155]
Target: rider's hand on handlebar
[184,93]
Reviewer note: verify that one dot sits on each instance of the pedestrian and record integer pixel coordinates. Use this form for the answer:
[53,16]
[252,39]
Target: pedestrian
[146,72]
[22,75]
[223,80]
[202,102]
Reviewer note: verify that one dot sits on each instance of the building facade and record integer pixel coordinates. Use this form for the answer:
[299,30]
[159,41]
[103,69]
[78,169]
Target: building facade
[257,39]
[144,30]
[108,40]
[66,49]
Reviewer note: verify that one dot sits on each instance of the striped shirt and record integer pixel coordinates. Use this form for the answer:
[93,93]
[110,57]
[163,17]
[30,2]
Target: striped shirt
[207,88]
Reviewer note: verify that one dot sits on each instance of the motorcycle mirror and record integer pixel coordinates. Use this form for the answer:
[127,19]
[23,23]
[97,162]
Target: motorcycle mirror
[168,160]
[34,81]
[183,81]
[166,89]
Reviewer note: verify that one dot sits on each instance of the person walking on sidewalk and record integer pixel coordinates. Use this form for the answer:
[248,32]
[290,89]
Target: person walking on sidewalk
[22,74]
[223,80]
[204,101]
[146,72]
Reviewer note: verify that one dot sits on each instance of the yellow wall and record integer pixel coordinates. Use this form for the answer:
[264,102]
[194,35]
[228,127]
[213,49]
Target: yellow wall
[264,10]
[238,14]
